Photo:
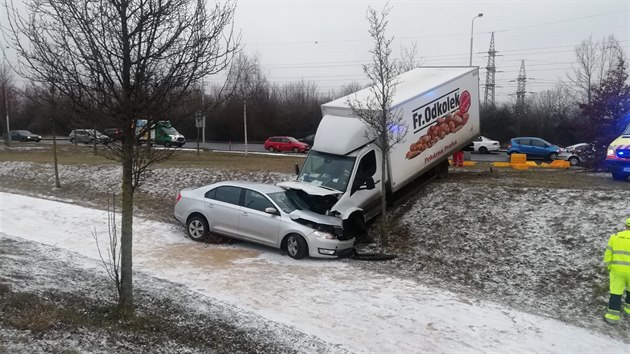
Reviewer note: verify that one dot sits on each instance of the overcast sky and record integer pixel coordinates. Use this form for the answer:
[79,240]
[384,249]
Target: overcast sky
[327,41]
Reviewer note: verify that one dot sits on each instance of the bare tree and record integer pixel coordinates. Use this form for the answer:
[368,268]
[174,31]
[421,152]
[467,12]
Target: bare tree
[384,125]
[123,60]
[112,262]
[408,58]
[348,89]
[248,79]
[593,60]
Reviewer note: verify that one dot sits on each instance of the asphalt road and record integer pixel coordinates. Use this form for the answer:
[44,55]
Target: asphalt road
[257,147]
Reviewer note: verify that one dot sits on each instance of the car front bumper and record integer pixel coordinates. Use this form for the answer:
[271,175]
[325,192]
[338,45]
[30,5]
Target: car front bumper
[319,248]
[618,165]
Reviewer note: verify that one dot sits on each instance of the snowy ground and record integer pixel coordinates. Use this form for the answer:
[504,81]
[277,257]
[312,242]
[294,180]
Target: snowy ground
[468,278]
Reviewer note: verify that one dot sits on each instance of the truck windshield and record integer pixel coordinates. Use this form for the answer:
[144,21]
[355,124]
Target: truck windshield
[327,170]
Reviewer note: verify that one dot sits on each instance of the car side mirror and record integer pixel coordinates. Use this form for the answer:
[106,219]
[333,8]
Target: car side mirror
[272,211]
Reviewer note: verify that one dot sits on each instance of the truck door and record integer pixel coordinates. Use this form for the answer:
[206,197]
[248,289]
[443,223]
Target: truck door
[365,188]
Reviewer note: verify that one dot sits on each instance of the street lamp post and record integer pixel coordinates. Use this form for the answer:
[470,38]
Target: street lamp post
[472,24]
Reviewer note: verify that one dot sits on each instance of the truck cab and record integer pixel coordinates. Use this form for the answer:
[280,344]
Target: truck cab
[618,156]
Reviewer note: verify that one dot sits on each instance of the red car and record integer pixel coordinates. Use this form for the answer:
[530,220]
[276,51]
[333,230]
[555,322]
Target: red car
[285,143]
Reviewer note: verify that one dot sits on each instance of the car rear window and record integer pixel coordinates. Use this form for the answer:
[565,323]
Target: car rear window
[227,194]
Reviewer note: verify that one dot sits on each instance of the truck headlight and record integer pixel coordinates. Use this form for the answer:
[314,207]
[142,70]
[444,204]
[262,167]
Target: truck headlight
[323,235]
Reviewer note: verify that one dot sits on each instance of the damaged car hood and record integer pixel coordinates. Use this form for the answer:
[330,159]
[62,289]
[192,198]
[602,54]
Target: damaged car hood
[315,217]
[309,188]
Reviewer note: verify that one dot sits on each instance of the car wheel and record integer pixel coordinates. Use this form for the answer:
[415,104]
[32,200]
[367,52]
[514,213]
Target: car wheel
[71,140]
[296,247]
[197,228]
[296,150]
[574,160]
[167,144]
[553,156]
[271,149]
[483,150]
[619,176]
[90,142]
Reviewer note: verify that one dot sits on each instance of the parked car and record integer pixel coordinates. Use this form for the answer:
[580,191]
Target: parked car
[87,136]
[309,139]
[573,153]
[24,135]
[285,143]
[113,133]
[533,147]
[264,214]
[484,145]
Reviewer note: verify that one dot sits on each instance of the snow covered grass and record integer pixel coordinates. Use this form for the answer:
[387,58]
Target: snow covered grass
[60,302]
[531,241]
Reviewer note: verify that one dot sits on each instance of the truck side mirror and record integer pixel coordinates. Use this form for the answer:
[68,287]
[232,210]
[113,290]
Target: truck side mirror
[362,182]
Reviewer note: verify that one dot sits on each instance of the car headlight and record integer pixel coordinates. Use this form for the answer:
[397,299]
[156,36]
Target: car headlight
[323,235]
[610,152]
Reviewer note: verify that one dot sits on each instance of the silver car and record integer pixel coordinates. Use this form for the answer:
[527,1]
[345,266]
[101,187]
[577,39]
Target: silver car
[264,214]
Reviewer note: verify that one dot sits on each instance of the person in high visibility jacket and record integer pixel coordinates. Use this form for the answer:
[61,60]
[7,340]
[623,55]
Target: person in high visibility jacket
[617,261]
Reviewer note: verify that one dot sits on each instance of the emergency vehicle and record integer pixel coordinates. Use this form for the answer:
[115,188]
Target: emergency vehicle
[618,156]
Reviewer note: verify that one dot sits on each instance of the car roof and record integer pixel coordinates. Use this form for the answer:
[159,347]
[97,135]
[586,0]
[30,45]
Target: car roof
[257,186]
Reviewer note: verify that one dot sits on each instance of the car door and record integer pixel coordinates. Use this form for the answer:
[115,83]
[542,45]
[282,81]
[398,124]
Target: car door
[284,144]
[526,146]
[222,209]
[254,223]
[539,147]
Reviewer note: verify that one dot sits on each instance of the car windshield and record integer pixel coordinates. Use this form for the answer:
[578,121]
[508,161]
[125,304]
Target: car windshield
[327,170]
[171,131]
[293,140]
[627,131]
[24,132]
[288,201]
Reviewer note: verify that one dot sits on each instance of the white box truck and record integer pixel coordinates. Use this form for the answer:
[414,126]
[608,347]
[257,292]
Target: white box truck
[342,173]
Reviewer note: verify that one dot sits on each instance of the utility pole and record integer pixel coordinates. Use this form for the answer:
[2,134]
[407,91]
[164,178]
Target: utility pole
[203,110]
[490,71]
[520,90]
[472,25]
[245,123]
[5,78]
[520,96]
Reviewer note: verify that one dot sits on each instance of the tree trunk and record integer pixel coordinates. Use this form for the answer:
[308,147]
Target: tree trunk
[384,189]
[54,136]
[125,302]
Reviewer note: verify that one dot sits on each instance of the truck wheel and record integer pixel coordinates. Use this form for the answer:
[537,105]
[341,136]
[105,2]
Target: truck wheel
[441,170]
[296,246]
[619,176]
[483,150]
[71,140]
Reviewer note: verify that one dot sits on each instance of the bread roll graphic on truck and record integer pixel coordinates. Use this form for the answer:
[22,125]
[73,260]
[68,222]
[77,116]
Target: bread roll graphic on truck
[342,172]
